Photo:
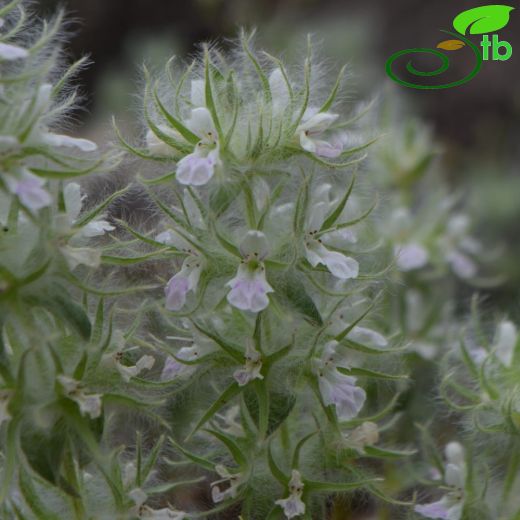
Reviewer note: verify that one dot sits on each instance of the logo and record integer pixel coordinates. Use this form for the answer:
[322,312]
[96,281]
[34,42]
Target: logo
[478,21]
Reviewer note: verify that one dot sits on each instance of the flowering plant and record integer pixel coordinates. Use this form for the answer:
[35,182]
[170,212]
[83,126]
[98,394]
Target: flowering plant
[235,351]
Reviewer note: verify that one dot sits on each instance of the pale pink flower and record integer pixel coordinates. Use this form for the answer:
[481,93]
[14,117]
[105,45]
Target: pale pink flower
[293,505]
[249,288]
[29,188]
[313,125]
[336,388]
[252,368]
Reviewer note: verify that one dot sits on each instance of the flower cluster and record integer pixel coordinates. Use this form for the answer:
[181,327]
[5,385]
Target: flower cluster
[250,337]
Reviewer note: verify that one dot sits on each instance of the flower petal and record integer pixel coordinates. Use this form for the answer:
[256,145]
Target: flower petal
[175,291]
[64,140]
[318,122]
[368,337]
[505,342]
[195,170]
[254,243]
[434,510]
[96,228]
[201,123]
[462,265]
[29,188]
[411,256]
[249,290]
[197,94]
[12,52]
[73,200]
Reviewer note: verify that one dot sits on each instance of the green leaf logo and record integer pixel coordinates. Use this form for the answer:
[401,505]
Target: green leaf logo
[482,20]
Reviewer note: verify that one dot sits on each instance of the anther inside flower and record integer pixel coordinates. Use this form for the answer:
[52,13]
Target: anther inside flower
[187,279]
[89,404]
[293,505]
[252,367]
[340,265]
[314,124]
[451,505]
[336,388]
[197,168]
[249,288]
[234,481]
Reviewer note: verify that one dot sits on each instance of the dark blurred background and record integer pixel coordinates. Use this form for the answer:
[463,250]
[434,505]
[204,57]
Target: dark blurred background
[483,113]
[477,124]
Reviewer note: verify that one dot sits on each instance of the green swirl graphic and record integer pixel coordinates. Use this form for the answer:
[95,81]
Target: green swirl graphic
[445,63]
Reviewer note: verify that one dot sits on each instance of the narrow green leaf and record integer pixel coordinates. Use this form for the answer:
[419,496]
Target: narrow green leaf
[232,446]
[200,461]
[277,473]
[231,391]
[337,487]
[364,372]
[183,130]
[232,350]
[263,78]
[130,260]
[345,332]
[333,94]
[331,219]
[377,452]
[94,212]
[210,99]
[296,455]
[151,460]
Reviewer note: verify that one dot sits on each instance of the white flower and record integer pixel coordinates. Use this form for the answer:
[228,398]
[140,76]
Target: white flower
[461,264]
[505,342]
[338,264]
[73,200]
[450,506]
[89,404]
[5,416]
[127,372]
[410,256]
[59,140]
[202,346]
[293,505]
[363,335]
[252,367]
[365,435]
[197,168]
[314,124]
[180,284]
[234,480]
[249,288]
[9,52]
[187,279]
[40,134]
[139,497]
[29,188]
[229,421]
[336,388]
[457,246]
[75,256]
[367,337]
